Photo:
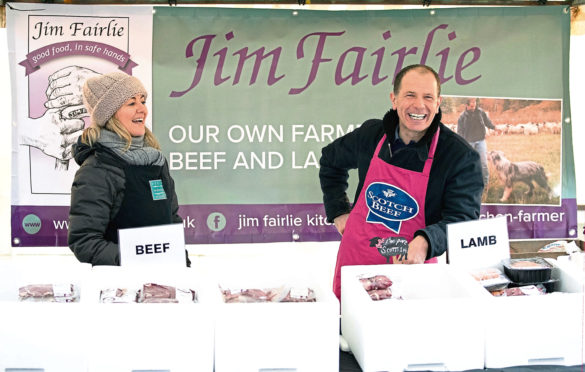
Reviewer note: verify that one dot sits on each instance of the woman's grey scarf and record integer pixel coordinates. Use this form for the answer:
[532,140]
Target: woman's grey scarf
[136,154]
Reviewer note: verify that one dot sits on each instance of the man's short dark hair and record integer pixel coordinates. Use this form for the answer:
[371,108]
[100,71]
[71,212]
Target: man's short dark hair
[424,68]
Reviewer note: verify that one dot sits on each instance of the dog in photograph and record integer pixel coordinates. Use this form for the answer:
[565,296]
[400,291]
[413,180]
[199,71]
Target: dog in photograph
[510,172]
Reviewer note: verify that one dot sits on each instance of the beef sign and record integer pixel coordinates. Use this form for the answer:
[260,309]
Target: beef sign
[391,246]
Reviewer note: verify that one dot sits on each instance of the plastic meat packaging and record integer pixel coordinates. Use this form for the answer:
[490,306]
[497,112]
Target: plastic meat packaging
[527,270]
[299,295]
[280,294]
[561,246]
[149,293]
[492,279]
[549,285]
[251,295]
[49,293]
[118,295]
[378,287]
[527,290]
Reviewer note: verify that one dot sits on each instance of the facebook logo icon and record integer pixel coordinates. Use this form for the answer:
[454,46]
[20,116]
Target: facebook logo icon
[216,221]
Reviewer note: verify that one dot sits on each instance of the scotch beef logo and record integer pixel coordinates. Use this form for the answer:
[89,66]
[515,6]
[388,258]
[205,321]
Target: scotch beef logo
[389,205]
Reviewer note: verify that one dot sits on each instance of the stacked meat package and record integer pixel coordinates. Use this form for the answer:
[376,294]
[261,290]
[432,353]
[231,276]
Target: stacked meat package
[378,287]
[521,277]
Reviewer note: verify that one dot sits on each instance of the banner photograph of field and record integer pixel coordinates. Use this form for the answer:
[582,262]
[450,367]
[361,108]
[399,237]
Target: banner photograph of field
[519,141]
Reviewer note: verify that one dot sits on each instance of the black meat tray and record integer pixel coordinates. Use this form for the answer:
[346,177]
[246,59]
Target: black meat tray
[537,270]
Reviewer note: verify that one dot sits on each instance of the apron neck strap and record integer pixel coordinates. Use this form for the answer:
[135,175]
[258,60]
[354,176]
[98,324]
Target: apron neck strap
[379,146]
[429,162]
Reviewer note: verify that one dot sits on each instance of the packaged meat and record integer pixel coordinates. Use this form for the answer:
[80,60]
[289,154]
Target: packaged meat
[247,295]
[158,293]
[49,293]
[498,292]
[486,274]
[527,290]
[561,246]
[149,293]
[279,294]
[153,291]
[299,295]
[527,270]
[378,287]
[380,294]
[549,285]
[37,291]
[118,295]
[376,282]
[491,279]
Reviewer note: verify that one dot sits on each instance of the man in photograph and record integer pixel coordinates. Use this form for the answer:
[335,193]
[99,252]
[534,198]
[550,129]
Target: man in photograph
[472,126]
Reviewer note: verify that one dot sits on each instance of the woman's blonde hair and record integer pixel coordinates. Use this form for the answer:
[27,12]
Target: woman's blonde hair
[91,134]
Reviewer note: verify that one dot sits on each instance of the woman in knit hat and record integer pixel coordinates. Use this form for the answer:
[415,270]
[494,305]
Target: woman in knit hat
[120,166]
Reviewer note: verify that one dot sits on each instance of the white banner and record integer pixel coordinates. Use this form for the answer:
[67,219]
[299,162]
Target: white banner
[53,49]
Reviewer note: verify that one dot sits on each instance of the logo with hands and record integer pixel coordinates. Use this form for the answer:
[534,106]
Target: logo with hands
[57,130]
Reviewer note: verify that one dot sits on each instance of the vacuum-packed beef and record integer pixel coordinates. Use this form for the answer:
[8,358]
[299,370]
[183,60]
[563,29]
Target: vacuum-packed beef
[149,293]
[299,295]
[247,295]
[380,294]
[48,292]
[378,287]
[376,282]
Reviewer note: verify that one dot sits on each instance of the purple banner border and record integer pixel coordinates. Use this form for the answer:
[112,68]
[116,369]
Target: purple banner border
[46,226]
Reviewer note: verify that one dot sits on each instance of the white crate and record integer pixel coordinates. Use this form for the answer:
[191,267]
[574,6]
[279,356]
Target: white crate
[537,330]
[276,336]
[42,335]
[438,325]
[137,336]
[521,330]
[572,276]
[15,274]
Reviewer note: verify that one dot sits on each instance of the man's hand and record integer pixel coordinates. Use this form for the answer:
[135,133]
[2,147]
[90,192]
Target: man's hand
[340,222]
[417,251]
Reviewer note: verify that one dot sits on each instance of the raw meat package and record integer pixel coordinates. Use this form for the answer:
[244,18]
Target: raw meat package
[118,295]
[150,293]
[492,279]
[158,293]
[378,287]
[527,270]
[527,290]
[280,294]
[549,286]
[247,295]
[49,293]
[299,294]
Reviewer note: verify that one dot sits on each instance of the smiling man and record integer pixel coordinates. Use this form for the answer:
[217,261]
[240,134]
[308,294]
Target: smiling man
[408,159]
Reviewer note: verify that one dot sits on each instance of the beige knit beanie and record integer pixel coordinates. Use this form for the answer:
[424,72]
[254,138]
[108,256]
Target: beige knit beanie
[103,95]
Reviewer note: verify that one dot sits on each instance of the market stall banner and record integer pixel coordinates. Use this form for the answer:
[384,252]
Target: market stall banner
[243,100]
[53,49]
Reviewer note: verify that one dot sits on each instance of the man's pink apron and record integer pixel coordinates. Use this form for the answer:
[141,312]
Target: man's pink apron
[391,205]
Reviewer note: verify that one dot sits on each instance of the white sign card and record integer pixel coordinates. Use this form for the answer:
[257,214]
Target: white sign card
[478,243]
[152,245]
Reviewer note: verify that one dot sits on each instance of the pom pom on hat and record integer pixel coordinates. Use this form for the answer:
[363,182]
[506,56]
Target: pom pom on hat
[103,95]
